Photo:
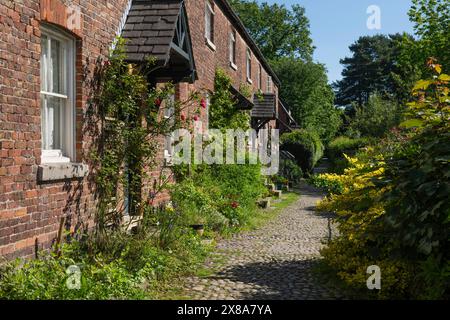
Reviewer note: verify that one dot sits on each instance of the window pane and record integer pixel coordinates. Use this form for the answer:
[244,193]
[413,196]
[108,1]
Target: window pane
[208,24]
[56,86]
[52,112]
[44,63]
[249,65]
[233,48]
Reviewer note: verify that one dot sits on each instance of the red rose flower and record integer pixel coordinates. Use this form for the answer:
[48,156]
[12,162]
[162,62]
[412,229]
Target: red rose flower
[195,118]
[158,102]
[203,103]
[183,117]
[234,204]
[107,63]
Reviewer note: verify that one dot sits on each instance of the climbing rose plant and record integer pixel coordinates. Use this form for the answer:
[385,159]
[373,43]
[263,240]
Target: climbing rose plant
[129,117]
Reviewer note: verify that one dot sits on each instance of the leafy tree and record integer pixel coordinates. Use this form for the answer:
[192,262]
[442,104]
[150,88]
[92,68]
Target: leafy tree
[305,89]
[284,38]
[371,68]
[375,118]
[431,20]
[278,31]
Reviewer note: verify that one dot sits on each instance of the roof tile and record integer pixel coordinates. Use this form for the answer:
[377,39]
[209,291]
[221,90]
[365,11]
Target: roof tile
[150,28]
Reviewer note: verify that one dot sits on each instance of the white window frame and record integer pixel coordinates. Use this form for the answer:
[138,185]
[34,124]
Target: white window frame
[269,84]
[208,104]
[67,121]
[249,66]
[209,19]
[260,77]
[169,112]
[233,49]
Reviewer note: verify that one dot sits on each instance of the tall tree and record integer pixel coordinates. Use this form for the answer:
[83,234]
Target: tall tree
[306,90]
[284,38]
[278,31]
[371,68]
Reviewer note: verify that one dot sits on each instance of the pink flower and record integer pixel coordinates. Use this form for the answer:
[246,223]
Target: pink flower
[203,103]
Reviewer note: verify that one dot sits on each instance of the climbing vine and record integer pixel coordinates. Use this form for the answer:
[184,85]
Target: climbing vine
[224,113]
[132,113]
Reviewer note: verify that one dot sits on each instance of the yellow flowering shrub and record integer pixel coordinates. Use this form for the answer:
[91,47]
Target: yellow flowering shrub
[392,208]
[359,209]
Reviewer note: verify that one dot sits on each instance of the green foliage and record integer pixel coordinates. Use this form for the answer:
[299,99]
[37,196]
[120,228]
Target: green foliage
[223,112]
[305,89]
[418,209]
[393,210]
[375,118]
[125,121]
[341,146]
[328,185]
[305,146]
[134,272]
[278,31]
[290,170]
[219,196]
[431,20]
[370,69]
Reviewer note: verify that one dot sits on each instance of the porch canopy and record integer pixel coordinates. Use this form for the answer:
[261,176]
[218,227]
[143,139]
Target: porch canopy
[265,109]
[158,29]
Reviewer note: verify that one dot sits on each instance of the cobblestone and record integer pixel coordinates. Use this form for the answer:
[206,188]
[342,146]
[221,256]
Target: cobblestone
[273,262]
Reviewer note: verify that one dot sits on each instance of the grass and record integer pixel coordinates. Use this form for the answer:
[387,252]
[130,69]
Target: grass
[264,216]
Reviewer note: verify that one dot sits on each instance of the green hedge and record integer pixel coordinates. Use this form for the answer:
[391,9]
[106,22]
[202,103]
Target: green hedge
[336,149]
[306,146]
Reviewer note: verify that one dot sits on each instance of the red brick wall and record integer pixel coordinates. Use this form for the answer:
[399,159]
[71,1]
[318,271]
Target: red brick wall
[30,211]
[207,60]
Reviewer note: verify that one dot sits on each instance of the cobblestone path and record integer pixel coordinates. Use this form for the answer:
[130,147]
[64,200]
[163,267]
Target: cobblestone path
[274,262]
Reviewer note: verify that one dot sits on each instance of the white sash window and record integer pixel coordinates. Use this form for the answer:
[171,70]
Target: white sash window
[169,114]
[57,96]
[269,84]
[249,66]
[233,49]
[209,24]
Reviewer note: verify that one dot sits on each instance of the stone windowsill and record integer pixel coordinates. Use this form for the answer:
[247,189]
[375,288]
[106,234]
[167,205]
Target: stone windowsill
[62,171]
[210,44]
[233,66]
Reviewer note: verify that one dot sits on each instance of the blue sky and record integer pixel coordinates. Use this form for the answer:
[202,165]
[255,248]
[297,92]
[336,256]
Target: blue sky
[336,24]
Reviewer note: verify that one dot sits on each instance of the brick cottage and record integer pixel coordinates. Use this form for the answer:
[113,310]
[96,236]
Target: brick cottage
[48,52]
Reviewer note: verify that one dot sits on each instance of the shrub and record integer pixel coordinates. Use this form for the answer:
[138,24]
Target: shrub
[375,118]
[128,266]
[394,210]
[305,146]
[328,182]
[340,146]
[418,208]
[290,170]
[219,196]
